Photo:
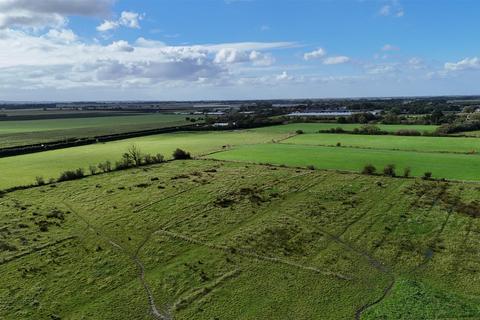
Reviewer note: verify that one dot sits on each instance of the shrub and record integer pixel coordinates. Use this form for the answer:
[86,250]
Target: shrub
[369,169]
[427,175]
[389,170]
[311,167]
[159,158]
[71,175]
[299,131]
[40,181]
[339,144]
[180,154]
[105,166]
[406,172]
[93,170]
[404,132]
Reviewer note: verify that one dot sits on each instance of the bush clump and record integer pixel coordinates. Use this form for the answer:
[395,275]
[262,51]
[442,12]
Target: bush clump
[180,154]
[427,175]
[369,169]
[71,175]
[40,181]
[389,170]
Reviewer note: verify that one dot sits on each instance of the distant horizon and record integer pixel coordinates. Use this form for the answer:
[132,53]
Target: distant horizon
[235,100]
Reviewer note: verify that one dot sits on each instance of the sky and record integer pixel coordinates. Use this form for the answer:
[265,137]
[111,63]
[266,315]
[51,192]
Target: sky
[84,50]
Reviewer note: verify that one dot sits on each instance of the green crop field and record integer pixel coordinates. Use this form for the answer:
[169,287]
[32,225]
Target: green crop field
[13,133]
[442,165]
[315,127]
[391,142]
[22,169]
[212,240]
[438,155]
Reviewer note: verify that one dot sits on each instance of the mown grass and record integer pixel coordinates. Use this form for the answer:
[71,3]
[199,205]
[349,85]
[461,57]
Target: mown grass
[13,133]
[214,244]
[442,165]
[22,170]
[427,144]
[315,127]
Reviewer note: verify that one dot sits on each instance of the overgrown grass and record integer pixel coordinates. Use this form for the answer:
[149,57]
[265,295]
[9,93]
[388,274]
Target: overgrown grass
[214,244]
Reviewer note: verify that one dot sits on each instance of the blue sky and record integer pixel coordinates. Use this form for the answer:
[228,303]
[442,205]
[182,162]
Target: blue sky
[236,49]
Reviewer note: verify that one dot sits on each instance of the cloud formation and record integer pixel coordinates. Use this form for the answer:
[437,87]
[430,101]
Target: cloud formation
[48,13]
[59,59]
[316,54]
[465,64]
[127,19]
[336,60]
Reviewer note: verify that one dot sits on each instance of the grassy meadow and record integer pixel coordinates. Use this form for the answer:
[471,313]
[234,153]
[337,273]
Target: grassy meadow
[206,240]
[446,157]
[23,169]
[442,165]
[391,142]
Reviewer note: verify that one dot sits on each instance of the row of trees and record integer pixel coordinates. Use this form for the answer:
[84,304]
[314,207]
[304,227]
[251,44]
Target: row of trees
[132,158]
[390,171]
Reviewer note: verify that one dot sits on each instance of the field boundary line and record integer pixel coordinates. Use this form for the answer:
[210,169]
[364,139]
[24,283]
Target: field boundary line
[247,253]
[36,249]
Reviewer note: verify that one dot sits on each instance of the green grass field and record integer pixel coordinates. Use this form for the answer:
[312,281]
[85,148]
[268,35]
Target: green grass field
[262,146]
[213,240]
[22,170]
[14,133]
[442,165]
[391,142]
[315,127]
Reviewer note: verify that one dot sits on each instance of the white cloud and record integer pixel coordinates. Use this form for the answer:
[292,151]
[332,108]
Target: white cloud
[48,13]
[121,46]
[232,56]
[62,35]
[385,10]
[336,60]
[393,8]
[465,64]
[284,76]
[389,47]
[316,54]
[416,63]
[381,69]
[58,59]
[127,19]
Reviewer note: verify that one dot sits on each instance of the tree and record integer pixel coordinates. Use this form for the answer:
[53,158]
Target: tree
[369,169]
[389,170]
[406,172]
[427,175]
[180,154]
[134,155]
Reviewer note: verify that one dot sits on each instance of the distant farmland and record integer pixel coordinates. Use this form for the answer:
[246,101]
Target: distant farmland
[442,165]
[13,133]
[315,127]
[445,157]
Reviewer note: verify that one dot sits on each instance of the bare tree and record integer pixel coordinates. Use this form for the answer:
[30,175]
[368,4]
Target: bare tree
[135,154]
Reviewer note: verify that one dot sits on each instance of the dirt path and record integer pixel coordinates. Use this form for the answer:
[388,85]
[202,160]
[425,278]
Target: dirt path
[138,263]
